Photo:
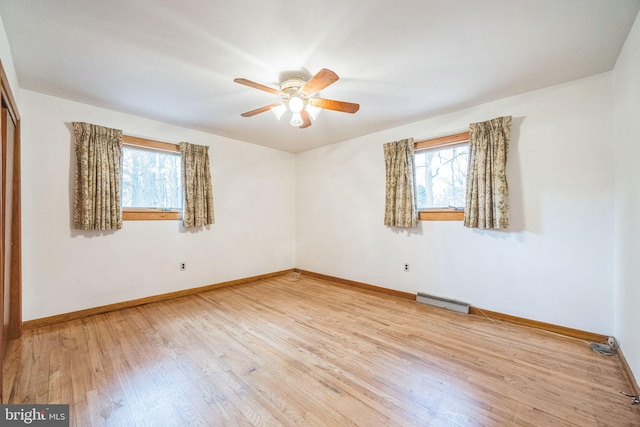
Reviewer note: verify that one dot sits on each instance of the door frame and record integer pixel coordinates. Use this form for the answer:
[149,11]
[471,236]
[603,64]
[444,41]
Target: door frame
[15,309]
[15,275]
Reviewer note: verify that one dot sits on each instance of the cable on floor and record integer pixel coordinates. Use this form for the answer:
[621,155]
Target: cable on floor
[635,400]
[608,349]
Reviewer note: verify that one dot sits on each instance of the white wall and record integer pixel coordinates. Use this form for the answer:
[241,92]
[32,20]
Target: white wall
[556,265]
[66,270]
[626,78]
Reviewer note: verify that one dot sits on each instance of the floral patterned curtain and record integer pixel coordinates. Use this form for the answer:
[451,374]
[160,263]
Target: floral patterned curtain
[96,202]
[400,208]
[487,199]
[196,185]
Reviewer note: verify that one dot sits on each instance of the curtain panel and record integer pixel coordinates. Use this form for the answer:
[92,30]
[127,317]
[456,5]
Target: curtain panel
[96,201]
[196,185]
[487,198]
[400,203]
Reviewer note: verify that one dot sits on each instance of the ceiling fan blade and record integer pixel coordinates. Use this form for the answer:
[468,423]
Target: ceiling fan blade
[329,104]
[306,120]
[258,86]
[322,79]
[260,110]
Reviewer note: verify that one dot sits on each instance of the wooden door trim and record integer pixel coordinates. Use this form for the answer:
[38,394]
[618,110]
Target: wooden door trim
[8,95]
[15,308]
[15,302]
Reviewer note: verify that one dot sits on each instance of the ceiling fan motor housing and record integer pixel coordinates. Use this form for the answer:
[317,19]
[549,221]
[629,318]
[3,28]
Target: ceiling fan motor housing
[292,85]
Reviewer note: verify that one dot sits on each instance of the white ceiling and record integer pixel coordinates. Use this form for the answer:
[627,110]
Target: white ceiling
[401,60]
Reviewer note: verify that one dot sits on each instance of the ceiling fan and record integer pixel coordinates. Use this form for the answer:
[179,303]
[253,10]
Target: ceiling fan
[297,97]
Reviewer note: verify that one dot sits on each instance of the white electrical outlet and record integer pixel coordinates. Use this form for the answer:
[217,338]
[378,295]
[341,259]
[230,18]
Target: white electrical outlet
[183,266]
[406,267]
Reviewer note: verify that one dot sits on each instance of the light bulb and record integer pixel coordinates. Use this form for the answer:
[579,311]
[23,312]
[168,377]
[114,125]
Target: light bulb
[296,104]
[278,110]
[296,120]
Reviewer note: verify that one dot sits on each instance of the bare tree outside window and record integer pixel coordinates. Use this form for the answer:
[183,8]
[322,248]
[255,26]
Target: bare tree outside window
[441,177]
[151,179]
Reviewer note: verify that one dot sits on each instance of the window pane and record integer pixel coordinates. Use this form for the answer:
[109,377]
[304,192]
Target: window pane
[441,177]
[151,179]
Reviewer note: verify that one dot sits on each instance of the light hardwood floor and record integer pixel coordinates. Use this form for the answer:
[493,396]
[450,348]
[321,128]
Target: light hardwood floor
[287,351]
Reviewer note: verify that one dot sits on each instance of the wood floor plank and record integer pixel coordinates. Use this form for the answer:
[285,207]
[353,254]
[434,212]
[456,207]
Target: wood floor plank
[299,351]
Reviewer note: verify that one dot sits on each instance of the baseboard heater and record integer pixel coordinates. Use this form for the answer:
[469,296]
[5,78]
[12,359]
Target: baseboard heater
[449,304]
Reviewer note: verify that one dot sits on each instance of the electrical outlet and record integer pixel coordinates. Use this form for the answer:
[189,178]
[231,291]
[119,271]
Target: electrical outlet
[406,267]
[183,266]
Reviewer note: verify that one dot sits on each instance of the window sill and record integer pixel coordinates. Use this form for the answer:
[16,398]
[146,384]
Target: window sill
[441,215]
[150,215]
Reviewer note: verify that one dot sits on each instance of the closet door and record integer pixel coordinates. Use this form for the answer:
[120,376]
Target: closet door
[8,134]
[10,222]
[5,293]
[9,234]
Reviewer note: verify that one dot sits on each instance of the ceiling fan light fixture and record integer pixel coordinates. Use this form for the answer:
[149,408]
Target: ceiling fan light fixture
[279,110]
[298,96]
[296,104]
[296,120]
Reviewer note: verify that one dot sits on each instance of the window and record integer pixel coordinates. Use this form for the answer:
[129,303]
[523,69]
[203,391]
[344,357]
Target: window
[441,177]
[151,180]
